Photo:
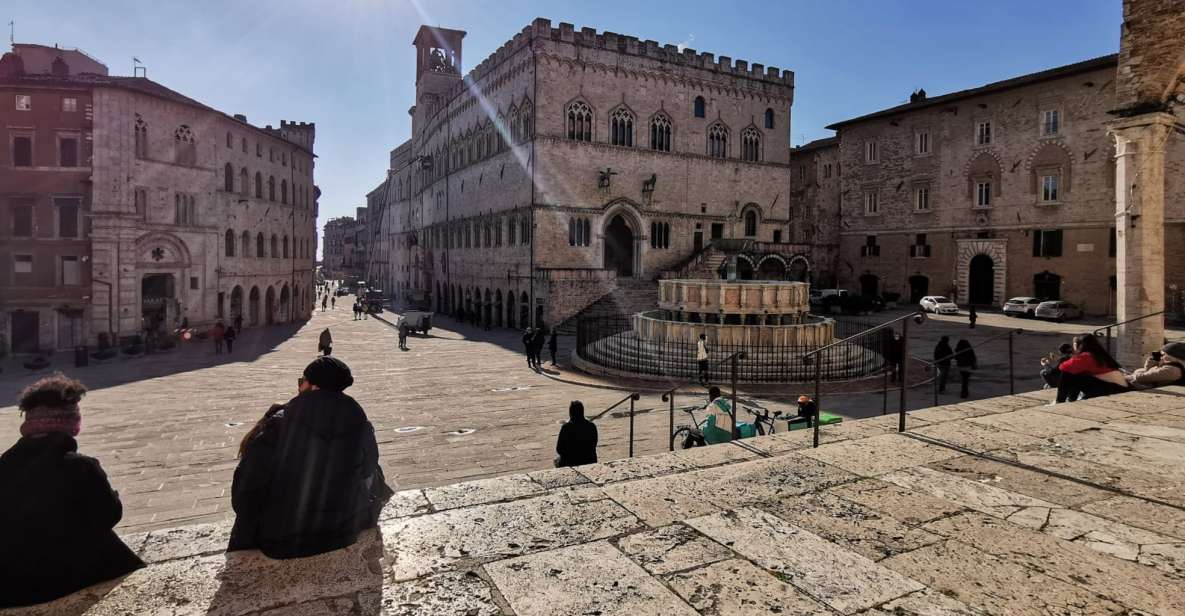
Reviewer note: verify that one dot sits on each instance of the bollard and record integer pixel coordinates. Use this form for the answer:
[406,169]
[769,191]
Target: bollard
[904,374]
[1011,373]
[632,398]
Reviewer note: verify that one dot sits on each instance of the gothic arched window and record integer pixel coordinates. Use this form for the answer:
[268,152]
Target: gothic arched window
[275,247]
[751,144]
[660,133]
[260,250]
[230,242]
[579,122]
[769,118]
[283,191]
[271,188]
[244,181]
[621,128]
[699,107]
[526,119]
[258,185]
[141,138]
[718,141]
[245,246]
[228,178]
[751,223]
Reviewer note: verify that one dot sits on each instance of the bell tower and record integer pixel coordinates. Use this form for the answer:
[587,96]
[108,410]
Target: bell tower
[438,69]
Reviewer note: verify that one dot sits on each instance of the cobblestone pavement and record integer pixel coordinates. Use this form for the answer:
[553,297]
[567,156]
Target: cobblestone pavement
[1006,506]
[460,405]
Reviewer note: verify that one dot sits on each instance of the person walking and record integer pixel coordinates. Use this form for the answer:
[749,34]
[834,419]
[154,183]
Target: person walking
[553,346]
[943,356]
[56,525]
[355,309]
[402,335]
[701,358]
[967,363]
[972,316]
[577,441]
[324,302]
[308,479]
[229,337]
[325,342]
[893,351]
[333,302]
[217,333]
[527,336]
[538,339]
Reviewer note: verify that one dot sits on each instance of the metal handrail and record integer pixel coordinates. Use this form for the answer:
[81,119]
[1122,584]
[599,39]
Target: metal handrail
[1107,328]
[632,397]
[917,316]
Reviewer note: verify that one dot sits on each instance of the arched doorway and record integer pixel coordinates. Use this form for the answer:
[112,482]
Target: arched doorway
[919,287]
[269,306]
[285,304]
[157,294]
[1047,286]
[744,268]
[869,285]
[981,280]
[253,306]
[510,314]
[498,308]
[619,247]
[771,269]
[487,308]
[799,270]
[524,310]
[236,302]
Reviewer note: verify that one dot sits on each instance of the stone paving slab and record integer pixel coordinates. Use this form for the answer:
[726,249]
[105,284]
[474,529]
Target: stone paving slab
[593,578]
[873,523]
[838,578]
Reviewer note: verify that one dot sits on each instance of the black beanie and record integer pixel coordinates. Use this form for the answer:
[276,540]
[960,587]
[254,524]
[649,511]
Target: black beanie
[329,373]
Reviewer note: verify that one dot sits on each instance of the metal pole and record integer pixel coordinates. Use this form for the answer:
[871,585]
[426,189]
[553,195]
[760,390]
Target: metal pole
[935,383]
[736,432]
[1108,340]
[671,421]
[632,398]
[1011,374]
[885,393]
[818,400]
[904,374]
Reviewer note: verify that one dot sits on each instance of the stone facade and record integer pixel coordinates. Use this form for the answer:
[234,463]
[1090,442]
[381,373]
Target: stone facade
[576,158]
[194,215]
[1005,190]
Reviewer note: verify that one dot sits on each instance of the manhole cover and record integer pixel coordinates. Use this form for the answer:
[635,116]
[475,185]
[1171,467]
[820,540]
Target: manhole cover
[233,424]
[462,432]
[518,388]
[407,429]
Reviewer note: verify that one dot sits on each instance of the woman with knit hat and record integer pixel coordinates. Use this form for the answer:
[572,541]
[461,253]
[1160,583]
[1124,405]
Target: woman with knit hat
[309,480]
[59,510]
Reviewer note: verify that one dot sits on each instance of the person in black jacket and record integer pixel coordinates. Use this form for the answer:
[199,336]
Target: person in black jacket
[59,510]
[943,355]
[967,363]
[309,480]
[553,346]
[577,443]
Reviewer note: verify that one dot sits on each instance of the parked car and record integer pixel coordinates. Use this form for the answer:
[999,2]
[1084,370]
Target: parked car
[938,304]
[1057,311]
[1021,307]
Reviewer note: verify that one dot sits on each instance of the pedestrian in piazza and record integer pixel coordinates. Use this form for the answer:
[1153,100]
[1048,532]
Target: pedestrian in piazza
[527,336]
[59,512]
[701,358]
[893,356]
[325,342]
[308,479]
[967,363]
[943,355]
[217,333]
[402,334]
[538,340]
[972,316]
[324,302]
[229,337]
[553,346]
[333,302]
[239,322]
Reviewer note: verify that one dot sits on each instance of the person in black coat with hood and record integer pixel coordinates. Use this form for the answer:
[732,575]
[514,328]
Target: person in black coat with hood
[58,508]
[577,443]
[308,481]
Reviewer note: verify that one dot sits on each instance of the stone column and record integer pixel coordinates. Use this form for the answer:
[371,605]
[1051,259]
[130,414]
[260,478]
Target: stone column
[1139,226]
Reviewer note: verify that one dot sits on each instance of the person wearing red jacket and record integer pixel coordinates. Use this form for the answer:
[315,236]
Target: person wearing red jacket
[1090,372]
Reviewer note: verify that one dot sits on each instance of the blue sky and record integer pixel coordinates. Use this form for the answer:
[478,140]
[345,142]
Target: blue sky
[348,65]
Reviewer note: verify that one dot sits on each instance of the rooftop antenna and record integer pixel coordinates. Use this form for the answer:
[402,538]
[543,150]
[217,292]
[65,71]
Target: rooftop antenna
[138,68]
[11,32]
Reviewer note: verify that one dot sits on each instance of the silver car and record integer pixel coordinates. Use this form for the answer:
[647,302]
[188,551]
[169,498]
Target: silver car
[1057,311]
[1021,307]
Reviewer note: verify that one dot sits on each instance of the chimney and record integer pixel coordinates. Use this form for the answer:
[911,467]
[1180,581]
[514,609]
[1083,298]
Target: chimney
[240,117]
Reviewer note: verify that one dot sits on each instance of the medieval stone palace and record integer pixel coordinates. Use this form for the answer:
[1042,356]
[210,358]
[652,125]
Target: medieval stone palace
[573,162]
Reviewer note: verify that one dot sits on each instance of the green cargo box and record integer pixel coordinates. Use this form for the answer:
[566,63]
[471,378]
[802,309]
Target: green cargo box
[714,435]
[825,419]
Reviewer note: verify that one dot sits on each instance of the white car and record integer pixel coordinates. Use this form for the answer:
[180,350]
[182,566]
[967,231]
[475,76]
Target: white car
[938,304]
[1057,311]
[1021,307]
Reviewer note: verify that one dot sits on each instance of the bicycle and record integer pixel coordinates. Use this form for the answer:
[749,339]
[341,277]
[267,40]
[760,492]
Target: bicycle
[699,434]
[688,436]
[763,418]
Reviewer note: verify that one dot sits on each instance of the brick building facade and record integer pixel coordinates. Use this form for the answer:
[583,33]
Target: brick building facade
[572,162]
[184,214]
[999,191]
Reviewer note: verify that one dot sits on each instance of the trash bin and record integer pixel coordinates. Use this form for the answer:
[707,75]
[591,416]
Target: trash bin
[81,356]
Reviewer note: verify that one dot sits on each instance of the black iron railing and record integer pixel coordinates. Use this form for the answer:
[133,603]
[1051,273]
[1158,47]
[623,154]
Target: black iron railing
[1105,331]
[611,343]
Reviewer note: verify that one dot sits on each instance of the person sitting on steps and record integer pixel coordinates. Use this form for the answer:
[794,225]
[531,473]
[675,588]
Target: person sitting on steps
[1090,373]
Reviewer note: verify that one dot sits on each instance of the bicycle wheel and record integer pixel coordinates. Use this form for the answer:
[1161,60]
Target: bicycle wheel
[684,438]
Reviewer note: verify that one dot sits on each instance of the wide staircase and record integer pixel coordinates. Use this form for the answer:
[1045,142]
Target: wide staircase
[631,295]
